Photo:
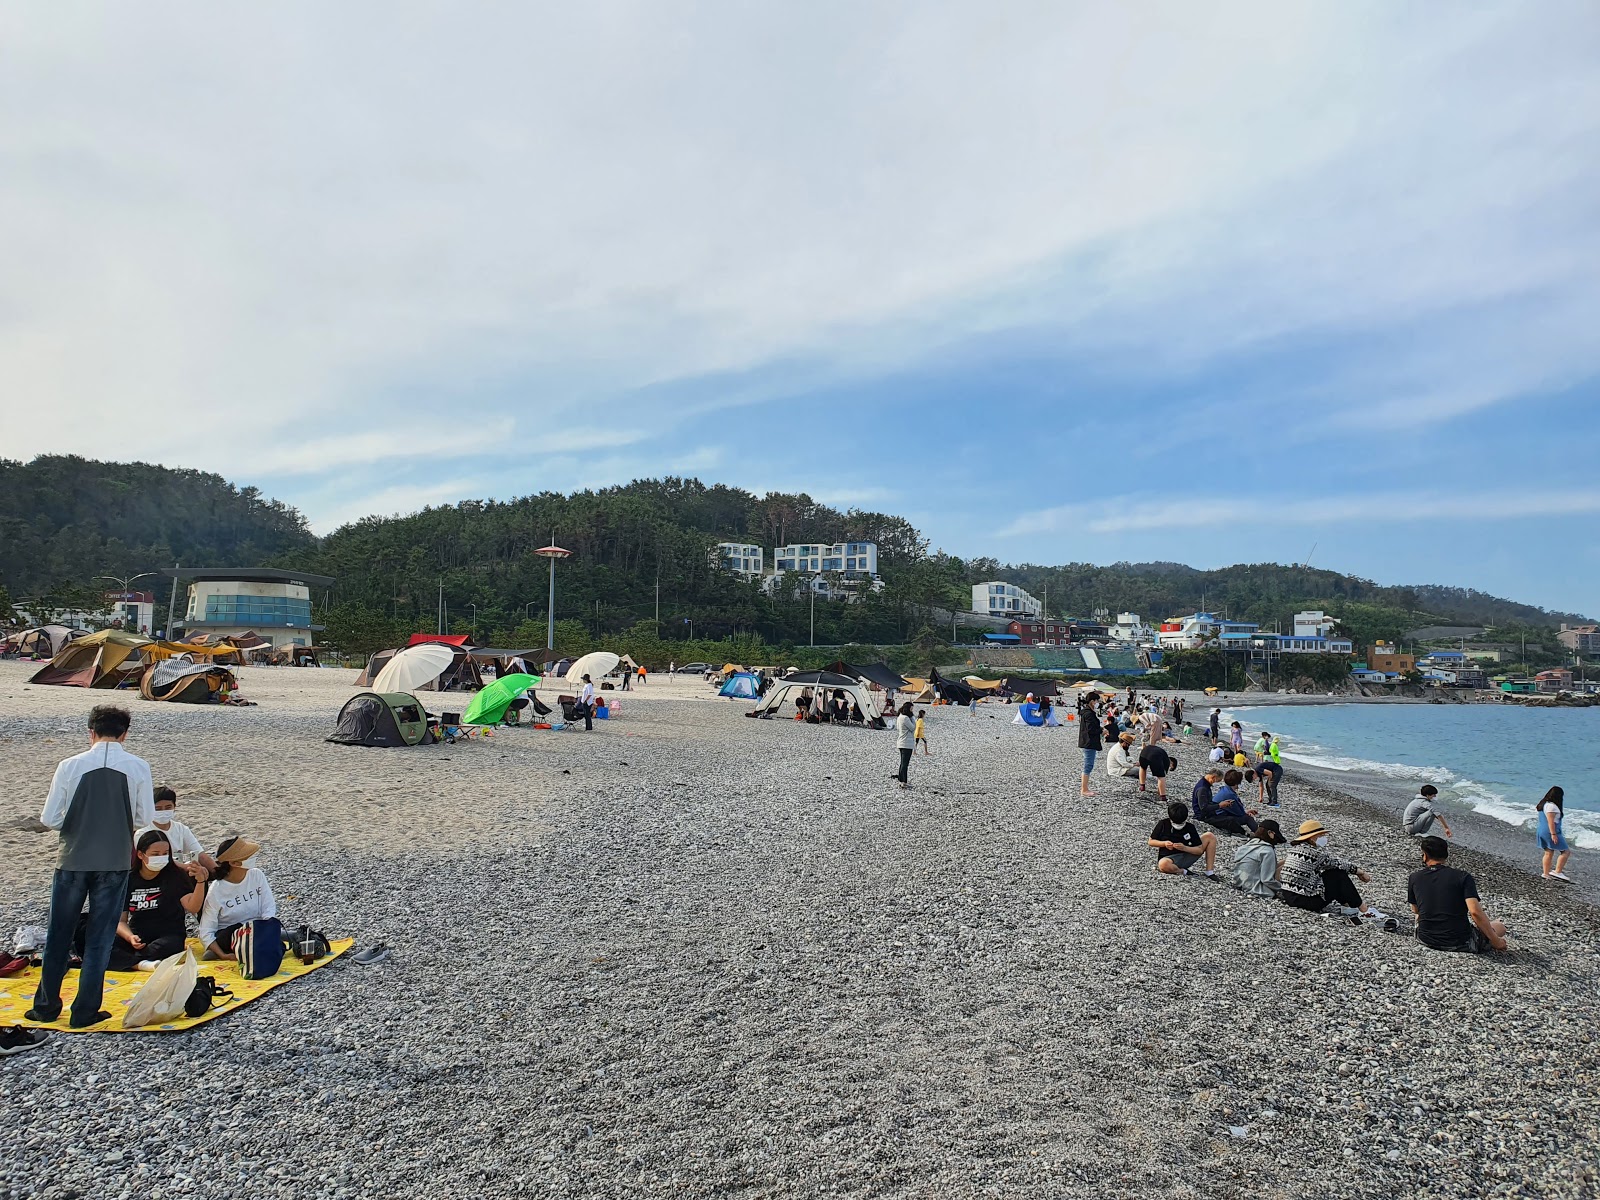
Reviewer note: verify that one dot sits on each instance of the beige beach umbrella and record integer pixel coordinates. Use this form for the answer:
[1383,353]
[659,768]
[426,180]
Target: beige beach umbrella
[414,667]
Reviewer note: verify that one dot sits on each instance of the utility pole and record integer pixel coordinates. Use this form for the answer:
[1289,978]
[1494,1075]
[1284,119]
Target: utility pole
[658,598]
[172,604]
[813,586]
[440,615]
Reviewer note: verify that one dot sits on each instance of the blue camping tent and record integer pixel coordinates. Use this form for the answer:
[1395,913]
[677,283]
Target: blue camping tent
[741,686]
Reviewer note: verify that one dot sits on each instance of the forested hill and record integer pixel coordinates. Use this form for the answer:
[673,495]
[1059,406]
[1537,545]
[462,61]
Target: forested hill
[640,551]
[65,521]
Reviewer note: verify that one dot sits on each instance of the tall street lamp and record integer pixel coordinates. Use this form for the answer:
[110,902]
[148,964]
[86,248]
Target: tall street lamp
[552,552]
[127,582]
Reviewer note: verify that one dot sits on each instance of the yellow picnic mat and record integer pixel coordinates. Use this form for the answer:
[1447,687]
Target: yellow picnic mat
[16,992]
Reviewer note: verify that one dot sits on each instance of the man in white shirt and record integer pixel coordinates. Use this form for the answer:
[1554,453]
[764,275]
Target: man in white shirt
[179,836]
[96,800]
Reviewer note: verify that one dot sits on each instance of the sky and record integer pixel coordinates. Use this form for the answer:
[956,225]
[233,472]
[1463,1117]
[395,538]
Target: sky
[1057,282]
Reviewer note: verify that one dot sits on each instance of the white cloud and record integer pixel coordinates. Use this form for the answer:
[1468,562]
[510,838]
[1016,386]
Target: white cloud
[1133,514]
[398,499]
[312,223]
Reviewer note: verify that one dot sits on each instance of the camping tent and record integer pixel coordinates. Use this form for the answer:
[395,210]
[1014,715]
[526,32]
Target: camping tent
[101,660]
[503,661]
[45,641]
[952,691]
[390,719]
[1039,687]
[742,685]
[184,682]
[983,685]
[780,698]
[413,667]
[879,674]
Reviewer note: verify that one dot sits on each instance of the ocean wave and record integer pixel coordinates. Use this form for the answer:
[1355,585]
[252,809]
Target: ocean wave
[1582,827]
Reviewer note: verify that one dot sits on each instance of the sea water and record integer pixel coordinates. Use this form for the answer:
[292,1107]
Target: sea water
[1497,758]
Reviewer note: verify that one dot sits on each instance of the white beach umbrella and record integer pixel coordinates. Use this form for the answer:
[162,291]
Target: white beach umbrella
[600,662]
[413,667]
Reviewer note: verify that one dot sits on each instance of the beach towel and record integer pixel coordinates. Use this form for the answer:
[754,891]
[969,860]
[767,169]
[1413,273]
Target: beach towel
[16,992]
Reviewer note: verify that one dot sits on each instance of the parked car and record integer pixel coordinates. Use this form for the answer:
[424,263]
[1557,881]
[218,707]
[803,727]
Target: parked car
[694,668]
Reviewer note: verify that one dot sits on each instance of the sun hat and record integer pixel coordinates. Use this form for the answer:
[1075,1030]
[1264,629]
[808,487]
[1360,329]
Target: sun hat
[237,850]
[1309,830]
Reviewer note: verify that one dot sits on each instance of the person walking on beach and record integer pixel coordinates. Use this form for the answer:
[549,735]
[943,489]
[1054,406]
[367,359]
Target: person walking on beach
[1420,814]
[905,741]
[1314,880]
[97,799]
[1547,815]
[1236,737]
[1216,722]
[1445,901]
[922,730]
[1089,741]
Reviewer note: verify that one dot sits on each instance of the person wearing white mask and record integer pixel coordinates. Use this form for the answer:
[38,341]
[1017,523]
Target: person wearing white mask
[1315,880]
[239,893]
[179,835]
[161,895]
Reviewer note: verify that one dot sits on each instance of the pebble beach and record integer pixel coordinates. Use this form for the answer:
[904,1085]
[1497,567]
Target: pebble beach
[693,954]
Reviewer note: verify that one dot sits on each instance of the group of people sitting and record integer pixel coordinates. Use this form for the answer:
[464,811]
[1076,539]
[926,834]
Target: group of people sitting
[816,707]
[1314,878]
[142,872]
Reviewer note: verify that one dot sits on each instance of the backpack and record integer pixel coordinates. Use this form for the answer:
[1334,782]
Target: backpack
[207,994]
[259,948]
[163,996]
[307,944]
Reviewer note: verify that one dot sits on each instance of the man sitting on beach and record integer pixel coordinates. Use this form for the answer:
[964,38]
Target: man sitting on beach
[1421,814]
[1179,846]
[1228,812]
[1445,901]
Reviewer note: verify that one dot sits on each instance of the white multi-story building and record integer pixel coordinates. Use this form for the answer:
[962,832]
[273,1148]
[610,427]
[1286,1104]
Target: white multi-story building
[741,558]
[996,599]
[263,600]
[1314,624]
[1129,628]
[854,560]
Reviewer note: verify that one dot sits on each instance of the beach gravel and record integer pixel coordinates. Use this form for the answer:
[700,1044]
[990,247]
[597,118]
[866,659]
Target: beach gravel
[746,963]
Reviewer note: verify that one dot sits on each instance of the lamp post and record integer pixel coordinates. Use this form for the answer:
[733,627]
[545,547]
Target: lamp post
[127,581]
[552,552]
[474,609]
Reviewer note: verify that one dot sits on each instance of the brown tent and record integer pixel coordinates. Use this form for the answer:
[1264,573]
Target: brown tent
[46,641]
[102,660]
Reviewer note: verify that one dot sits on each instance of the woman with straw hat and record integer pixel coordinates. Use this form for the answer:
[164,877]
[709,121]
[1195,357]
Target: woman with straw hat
[1315,880]
[239,892]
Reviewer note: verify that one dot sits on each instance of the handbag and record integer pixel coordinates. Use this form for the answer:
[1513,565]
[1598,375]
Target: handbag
[207,994]
[165,994]
[258,947]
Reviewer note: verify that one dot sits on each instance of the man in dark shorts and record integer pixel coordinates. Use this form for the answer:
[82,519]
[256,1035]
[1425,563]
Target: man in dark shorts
[1448,913]
[1180,846]
[1157,762]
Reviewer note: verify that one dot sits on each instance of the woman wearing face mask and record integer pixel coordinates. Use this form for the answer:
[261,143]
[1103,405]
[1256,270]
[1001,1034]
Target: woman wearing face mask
[160,896]
[239,893]
[1315,880]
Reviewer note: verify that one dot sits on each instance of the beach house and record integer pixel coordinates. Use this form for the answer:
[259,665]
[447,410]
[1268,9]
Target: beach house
[740,558]
[236,600]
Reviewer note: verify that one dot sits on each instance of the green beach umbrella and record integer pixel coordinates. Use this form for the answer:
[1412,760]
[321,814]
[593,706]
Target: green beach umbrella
[489,705]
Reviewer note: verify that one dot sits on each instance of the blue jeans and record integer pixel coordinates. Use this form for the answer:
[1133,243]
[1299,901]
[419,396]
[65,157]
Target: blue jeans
[1088,761]
[107,893]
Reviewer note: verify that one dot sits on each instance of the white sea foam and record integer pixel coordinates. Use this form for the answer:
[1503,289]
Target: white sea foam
[1581,826]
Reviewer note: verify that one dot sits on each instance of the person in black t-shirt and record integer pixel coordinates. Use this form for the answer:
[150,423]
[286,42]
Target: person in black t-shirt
[1179,845]
[159,896]
[1448,912]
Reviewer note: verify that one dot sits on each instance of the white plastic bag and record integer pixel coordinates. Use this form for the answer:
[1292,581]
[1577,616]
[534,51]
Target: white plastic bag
[165,993]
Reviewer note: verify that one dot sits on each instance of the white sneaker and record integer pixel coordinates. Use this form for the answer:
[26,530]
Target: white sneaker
[148,964]
[1561,875]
